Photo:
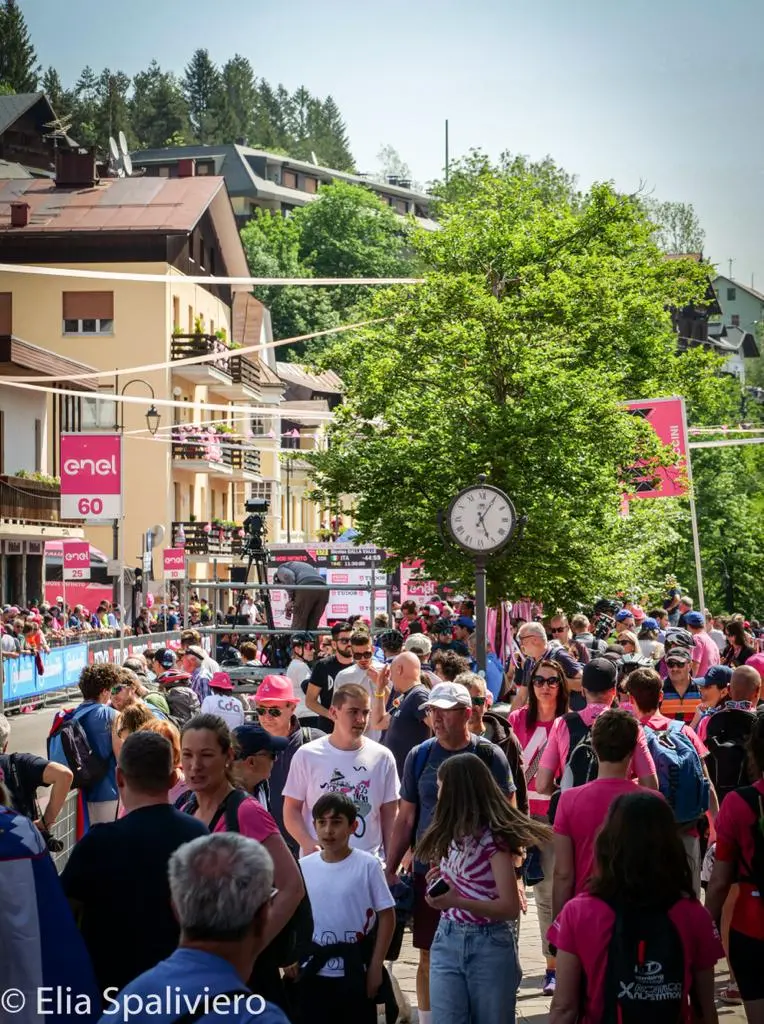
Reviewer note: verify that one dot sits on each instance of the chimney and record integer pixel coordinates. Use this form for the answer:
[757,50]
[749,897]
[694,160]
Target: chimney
[76,168]
[19,214]
[186,168]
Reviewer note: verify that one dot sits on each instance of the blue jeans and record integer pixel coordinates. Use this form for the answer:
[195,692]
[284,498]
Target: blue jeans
[474,973]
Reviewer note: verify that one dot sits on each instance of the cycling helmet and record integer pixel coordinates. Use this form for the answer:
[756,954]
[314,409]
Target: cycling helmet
[391,640]
[302,638]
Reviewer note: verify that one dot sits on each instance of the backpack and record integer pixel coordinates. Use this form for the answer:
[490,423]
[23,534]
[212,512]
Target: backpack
[581,765]
[727,739]
[680,772]
[183,704]
[294,940]
[69,745]
[754,872]
[644,977]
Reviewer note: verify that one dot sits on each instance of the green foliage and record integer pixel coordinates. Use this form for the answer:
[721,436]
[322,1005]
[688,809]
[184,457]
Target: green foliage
[158,109]
[19,68]
[346,232]
[203,89]
[677,228]
[542,312]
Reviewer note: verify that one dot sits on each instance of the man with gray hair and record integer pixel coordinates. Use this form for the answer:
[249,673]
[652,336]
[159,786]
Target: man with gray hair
[221,889]
[535,647]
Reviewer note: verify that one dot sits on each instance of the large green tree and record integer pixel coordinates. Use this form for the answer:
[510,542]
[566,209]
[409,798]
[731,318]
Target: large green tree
[158,109]
[19,68]
[543,310]
[203,89]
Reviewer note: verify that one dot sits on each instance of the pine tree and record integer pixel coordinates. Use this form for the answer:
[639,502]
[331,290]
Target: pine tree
[202,88]
[240,99]
[19,68]
[112,113]
[158,109]
[267,129]
[85,108]
[335,145]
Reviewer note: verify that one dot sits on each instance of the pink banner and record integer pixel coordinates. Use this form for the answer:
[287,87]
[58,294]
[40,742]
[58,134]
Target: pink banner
[91,476]
[667,418]
[76,560]
[174,563]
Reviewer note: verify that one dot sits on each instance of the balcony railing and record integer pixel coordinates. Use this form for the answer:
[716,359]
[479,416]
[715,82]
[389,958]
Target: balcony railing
[239,457]
[207,539]
[186,346]
[30,501]
[244,371]
[210,446]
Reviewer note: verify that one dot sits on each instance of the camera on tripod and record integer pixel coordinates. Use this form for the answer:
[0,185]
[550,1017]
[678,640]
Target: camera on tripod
[255,528]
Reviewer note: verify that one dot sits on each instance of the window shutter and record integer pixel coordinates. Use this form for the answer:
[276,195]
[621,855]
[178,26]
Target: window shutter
[6,318]
[88,306]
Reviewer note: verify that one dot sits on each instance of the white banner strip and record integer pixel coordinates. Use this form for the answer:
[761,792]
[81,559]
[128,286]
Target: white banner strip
[732,443]
[291,282]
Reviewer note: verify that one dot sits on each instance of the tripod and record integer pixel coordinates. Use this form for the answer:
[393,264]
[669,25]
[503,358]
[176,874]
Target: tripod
[257,555]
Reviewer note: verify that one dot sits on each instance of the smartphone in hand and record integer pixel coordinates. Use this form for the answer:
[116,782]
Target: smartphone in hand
[438,888]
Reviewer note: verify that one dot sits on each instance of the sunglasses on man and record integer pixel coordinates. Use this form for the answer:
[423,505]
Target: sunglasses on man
[363,655]
[673,663]
[272,712]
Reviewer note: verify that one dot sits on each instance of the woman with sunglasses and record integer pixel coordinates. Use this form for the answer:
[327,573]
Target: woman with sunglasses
[738,649]
[548,699]
[207,758]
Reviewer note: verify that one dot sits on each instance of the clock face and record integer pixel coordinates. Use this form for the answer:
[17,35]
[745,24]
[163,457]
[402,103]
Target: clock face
[481,519]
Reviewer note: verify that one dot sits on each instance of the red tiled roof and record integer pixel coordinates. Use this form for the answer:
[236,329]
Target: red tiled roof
[168,205]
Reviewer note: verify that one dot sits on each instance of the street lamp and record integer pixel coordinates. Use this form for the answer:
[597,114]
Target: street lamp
[152,420]
[152,416]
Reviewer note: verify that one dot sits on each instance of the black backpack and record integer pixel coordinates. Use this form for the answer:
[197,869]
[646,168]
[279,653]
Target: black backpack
[644,978]
[295,939]
[754,872]
[582,765]
[727,739]
[69,745]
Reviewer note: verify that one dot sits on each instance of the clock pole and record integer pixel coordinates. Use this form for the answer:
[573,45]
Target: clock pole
[480,611]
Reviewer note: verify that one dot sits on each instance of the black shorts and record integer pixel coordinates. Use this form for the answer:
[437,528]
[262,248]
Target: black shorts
[426,919]
[746,958]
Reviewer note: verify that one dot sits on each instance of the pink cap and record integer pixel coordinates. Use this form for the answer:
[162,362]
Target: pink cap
[637,612]
[277,688]
[757,661]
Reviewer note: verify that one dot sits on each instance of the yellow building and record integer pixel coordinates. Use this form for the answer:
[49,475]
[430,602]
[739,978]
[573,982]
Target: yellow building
[194,471]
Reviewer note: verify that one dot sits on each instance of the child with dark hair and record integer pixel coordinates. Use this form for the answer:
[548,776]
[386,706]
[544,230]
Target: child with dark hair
[474,839]
[639,912]
[353,921]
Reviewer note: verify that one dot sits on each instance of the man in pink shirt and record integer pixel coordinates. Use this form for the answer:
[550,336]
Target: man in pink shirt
[583,809]
[705,652]
[599,683]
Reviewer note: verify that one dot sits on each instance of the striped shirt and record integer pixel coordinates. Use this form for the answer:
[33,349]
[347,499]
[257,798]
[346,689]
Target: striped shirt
[681,708]
[467,869]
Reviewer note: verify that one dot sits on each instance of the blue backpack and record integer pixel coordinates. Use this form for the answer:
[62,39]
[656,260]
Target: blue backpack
[680,772]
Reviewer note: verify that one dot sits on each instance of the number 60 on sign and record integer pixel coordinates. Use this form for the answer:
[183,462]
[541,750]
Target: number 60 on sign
[91,476]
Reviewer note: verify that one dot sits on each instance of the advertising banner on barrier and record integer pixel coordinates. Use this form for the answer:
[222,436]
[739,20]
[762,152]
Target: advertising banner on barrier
[91,476]
[338,564]
[667,418]
[76,564]
[174,563]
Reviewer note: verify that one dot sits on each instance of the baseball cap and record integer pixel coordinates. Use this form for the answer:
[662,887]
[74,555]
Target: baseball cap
[465,620]
[649,623]
[221,681]
[277,688]
[418,643]
[165,657]
[432,609]
[695,619]
[251,739]
[720,675]
[755,661]
[447,696]
[679,653]
[623,615]
[638,613]
[599,676]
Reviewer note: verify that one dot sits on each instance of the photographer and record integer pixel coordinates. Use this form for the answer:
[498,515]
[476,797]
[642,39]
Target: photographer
[24,774]
[305,606]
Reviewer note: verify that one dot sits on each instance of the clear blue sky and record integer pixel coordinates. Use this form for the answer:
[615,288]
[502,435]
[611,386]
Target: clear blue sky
[658,92]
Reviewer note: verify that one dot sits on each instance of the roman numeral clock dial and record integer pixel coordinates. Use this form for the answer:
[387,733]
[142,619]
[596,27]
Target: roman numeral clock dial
[481,519]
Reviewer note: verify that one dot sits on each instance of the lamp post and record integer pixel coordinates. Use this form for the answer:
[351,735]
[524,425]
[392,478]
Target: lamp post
[153,418]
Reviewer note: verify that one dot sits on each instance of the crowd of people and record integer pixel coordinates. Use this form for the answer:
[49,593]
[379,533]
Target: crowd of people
[612,765]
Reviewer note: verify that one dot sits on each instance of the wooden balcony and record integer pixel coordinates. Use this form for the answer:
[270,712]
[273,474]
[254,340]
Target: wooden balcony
[206,540]
[187,346]
[31,501]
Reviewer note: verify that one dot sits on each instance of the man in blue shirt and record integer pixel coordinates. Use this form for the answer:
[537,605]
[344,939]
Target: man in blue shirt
[221,888]
[97,719]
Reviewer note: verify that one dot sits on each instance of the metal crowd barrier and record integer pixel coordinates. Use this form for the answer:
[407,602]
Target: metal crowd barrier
[65,829]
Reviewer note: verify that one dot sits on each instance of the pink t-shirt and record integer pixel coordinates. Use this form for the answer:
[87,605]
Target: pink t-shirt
[580,815]
[585,926]
[468,870]
[254,821]
[533,741]
[706,652]
[556,753]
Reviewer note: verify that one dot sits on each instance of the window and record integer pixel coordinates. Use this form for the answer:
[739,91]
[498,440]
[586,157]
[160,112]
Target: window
[176,500]
[99,414]
[311,185]
[2,441]
[205,167]
[6,313]
[176,311]
[38,446]
[731,294]
[190,319]
[289,179]
[88,312]
[735,319]
[163,171]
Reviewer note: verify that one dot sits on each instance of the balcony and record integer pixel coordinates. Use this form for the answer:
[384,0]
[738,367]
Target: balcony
[214,372]
[23,500]
[243,460]
[201,451]
[245,380]
[206,540]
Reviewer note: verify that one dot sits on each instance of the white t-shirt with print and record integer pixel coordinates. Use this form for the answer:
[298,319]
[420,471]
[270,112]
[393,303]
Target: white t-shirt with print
[297,672]
[227,707]
[345,899]
[356,674]
[367,775]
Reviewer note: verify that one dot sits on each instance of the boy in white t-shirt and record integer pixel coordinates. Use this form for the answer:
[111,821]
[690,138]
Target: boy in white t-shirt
[353,911]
